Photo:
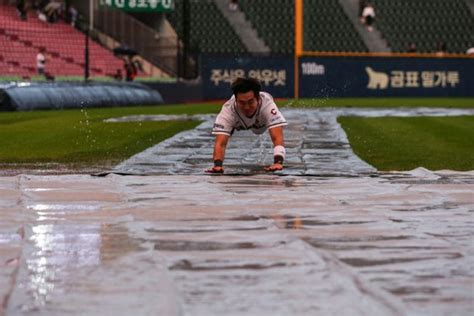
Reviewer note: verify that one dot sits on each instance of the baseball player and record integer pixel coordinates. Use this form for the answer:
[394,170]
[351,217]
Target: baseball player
[248,108]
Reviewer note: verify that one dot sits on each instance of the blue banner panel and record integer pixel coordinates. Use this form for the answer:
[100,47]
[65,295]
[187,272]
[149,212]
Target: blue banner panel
[218,72]
[385,76]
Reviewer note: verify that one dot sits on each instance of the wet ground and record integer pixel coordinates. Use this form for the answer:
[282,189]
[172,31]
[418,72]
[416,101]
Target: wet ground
[314,240]
[315,142]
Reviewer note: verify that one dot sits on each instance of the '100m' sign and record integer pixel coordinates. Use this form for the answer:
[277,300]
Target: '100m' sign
[140,5]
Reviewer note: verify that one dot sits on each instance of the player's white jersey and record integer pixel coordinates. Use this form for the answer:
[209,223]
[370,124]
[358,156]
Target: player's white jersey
[230,118]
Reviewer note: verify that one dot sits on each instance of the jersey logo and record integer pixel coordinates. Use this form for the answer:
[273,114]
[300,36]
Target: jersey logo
[273,120]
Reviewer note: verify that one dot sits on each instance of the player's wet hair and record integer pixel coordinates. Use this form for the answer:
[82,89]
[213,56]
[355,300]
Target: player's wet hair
[243,85]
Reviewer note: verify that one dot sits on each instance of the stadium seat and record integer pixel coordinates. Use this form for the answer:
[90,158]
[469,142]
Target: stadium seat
[20,41]
[326,27]
[209,30]
[425,23]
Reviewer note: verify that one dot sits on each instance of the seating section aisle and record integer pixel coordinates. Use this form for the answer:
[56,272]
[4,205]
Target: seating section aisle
[20,41]
[425,23]
[326,27]
[274,22]
[210,32]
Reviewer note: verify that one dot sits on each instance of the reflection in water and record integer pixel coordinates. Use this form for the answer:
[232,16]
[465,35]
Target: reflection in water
[41,276]
[57,208]
[59,251]
[297,223]
[116,242]
[288,222]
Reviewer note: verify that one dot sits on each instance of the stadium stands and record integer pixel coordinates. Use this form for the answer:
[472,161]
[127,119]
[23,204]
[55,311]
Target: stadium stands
[20,41]
[425,23]
[210,32]
[274,22]
[326,27]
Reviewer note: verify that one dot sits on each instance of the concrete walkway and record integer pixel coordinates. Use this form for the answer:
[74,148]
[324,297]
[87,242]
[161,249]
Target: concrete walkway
[243,28]
[373,40]
[470,4]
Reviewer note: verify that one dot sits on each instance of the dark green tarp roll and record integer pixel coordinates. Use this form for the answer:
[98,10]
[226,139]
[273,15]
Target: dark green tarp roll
[67,95]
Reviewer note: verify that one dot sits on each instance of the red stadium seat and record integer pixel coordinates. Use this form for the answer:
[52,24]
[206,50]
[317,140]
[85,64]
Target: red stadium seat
[20,41]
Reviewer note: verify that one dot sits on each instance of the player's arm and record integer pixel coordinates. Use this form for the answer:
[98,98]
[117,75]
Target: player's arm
[220,146]
[276,133]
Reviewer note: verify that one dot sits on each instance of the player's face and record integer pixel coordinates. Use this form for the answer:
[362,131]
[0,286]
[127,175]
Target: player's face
[247,103]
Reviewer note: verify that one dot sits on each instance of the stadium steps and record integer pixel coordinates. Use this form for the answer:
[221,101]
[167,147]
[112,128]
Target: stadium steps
[470,4]
[210,32]
[374,40]
[328,28]
[426,23]
[20,41]
[242,28]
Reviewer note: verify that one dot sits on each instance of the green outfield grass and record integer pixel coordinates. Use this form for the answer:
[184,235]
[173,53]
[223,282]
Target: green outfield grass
[381,102]
[393,143]
[81,137]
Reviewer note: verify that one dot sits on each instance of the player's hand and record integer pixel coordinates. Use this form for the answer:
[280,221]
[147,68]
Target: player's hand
[215,170]
[274,167]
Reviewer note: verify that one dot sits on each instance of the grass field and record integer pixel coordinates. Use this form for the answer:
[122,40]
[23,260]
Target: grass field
[393,143]
[81,138]
[383,102]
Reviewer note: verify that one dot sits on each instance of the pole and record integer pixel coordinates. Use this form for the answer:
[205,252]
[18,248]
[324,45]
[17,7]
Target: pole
[186,42]
[91,14]
[298,42]
[86,56]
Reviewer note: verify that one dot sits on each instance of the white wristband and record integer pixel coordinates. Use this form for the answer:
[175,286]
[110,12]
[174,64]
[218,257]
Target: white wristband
[279,150]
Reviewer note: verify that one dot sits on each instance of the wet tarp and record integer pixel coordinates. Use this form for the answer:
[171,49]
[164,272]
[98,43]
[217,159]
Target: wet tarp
[42,96]
[179,245]
[316,145]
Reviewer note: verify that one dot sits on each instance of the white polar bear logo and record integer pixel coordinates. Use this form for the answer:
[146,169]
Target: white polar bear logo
[376,79]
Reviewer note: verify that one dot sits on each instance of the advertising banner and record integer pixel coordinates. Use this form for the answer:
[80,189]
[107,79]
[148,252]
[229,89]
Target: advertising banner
[385,76]
[140,5]
[218,72]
